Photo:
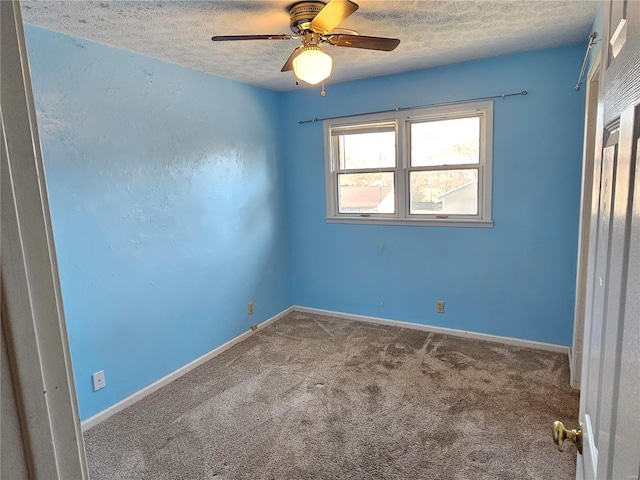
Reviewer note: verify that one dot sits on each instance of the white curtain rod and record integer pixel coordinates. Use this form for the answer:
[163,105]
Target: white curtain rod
[592,42]
[402,109]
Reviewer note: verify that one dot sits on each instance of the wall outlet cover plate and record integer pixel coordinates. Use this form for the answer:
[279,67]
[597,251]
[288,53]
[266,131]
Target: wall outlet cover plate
[98,380]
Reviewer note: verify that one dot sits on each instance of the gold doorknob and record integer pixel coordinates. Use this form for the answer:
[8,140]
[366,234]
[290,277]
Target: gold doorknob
[560,434]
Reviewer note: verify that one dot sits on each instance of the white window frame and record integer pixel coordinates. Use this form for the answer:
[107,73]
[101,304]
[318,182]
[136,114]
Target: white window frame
[403,121]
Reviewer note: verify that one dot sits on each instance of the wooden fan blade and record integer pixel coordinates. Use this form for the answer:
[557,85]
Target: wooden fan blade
[369,43]
[288,65]
[332,15]
[227,38]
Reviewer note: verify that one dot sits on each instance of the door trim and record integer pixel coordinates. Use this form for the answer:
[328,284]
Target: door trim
[588,158]
[32,314]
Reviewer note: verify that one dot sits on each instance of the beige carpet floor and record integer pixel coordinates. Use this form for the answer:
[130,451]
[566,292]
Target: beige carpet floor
[313,397]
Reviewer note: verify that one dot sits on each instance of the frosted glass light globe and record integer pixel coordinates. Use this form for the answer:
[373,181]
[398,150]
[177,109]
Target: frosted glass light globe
[312,65]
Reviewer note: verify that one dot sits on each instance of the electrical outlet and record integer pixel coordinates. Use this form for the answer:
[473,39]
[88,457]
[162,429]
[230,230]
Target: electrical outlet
[250,308]
[98,380]
[439,306]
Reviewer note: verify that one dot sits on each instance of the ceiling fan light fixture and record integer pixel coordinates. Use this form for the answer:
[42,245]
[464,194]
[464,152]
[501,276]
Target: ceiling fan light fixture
[312,65]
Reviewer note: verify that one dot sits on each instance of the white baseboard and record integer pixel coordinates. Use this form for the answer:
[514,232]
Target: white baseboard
[149,389]
[518,342]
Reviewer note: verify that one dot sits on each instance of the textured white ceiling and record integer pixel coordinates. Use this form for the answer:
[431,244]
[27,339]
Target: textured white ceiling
[431,32]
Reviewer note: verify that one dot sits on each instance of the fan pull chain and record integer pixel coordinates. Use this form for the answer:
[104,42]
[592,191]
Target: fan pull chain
[323,93]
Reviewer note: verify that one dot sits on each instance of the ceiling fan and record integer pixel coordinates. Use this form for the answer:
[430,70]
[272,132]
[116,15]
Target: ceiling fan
[314,22]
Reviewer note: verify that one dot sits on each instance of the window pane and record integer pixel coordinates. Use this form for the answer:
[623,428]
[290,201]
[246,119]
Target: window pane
[367,150]
[444,192]
[366,193]
[445,142]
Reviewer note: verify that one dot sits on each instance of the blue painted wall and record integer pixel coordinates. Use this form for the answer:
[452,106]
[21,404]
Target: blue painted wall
[167,202]
[516,279]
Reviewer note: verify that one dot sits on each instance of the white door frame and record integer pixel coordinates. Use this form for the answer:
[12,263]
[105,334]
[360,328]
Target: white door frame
[590,128]
[32,315]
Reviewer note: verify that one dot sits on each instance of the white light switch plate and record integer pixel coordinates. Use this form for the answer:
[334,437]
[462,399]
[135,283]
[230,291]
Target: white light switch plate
[98,380]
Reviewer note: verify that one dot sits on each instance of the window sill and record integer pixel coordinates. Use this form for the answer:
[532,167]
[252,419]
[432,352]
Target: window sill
[418,222]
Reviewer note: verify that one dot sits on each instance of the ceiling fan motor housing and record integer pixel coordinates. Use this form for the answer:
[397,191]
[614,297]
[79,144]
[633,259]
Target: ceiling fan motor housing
[301,15]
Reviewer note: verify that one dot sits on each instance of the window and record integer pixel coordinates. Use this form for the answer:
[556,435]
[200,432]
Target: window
[429,166]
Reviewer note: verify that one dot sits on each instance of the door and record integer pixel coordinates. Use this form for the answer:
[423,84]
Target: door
[610,398]
[41,436]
